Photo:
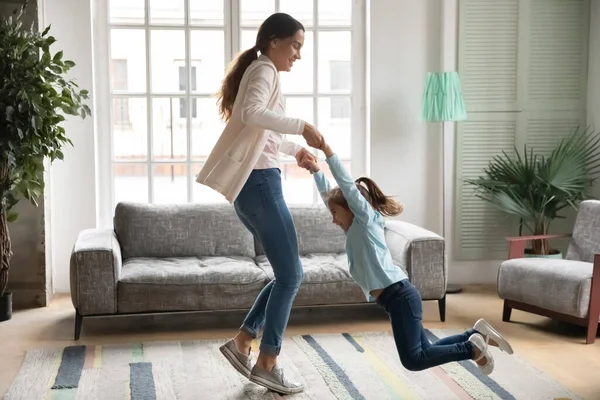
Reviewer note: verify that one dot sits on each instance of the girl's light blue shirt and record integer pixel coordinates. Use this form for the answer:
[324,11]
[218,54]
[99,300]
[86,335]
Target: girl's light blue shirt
[369,258]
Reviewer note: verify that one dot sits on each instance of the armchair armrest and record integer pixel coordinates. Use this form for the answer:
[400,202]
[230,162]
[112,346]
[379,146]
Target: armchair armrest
[95,269]
[516,244]
[422,254]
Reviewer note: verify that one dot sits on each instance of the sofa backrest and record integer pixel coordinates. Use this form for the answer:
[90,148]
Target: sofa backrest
[586,233]
[186,230]
[315,231]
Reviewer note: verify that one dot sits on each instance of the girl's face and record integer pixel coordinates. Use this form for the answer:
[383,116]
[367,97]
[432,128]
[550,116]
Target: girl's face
[284,52]
[342,217]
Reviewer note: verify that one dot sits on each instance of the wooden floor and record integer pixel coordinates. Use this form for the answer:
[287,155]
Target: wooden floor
[556,348]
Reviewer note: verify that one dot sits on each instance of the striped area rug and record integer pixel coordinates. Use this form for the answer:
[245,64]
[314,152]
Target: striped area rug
[332,366]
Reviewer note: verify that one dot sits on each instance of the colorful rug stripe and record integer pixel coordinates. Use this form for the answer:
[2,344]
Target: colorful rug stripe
[453,386]
[98,357]
[63,394]
[137,353]
[90,355]
[70,368]
[472,368]
[395,385]
[339,373]
[141,381]
[353,342]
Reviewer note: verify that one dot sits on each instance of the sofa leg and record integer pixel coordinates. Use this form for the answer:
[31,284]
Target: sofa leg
[78,323]
[442,308]
[591,333]
[506,312]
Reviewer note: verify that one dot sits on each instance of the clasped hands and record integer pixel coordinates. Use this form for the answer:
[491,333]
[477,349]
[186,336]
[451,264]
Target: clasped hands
[304,157]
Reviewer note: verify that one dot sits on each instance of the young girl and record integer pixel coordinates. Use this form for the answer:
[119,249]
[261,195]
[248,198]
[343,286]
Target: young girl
[358,208]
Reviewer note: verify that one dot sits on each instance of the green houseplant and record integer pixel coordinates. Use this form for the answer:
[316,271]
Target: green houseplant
[35,96]
[536,188]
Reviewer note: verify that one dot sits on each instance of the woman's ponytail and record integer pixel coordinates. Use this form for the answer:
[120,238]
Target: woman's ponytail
[231,83]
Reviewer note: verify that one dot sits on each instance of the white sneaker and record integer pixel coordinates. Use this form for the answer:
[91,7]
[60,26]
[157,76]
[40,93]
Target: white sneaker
[488,332]
[480,343]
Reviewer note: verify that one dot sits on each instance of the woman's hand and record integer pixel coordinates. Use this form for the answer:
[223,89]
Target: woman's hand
[312,136]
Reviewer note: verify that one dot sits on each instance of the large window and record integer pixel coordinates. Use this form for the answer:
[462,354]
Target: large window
[166,61]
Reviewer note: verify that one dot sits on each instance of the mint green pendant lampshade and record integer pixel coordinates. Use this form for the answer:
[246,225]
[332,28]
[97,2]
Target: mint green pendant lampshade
[443,100]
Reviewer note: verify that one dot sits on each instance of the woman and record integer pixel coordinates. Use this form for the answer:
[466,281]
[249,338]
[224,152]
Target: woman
[244,167]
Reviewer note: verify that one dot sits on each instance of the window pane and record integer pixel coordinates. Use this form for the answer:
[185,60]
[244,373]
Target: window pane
[131,182]
[167,12]
[203,193]
[208,58]
[298,184]
[300,78]
[335,12]
[254,12]
[206,128]
[167,55]
[170,183]
[169,139]
[126,11]
[334,62]
[334,123]
[203,12]
[128,60]
[248,39]
[301,10]
[130,128]
[298,107]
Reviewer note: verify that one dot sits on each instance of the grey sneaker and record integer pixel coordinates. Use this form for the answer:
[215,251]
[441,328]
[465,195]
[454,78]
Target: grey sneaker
[240,361]
[275,380]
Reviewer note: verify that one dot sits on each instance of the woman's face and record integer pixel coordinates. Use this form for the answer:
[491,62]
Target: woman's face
[284,52]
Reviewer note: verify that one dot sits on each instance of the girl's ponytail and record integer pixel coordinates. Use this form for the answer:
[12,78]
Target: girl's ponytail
[379,201]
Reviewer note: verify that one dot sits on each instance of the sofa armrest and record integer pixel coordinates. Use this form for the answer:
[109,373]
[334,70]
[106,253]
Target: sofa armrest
[422,254]
[95,270]
[516,244]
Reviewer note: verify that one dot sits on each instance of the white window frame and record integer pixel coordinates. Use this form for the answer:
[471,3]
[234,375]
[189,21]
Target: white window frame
[232,35]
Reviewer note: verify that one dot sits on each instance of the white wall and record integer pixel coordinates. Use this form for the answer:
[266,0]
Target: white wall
[593,102]
[406,153]
[72,192]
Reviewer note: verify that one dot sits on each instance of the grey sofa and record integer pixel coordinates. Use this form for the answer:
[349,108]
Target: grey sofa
[567,290]
[199,257]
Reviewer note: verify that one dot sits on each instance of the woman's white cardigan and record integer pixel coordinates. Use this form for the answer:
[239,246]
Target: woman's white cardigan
[236,152]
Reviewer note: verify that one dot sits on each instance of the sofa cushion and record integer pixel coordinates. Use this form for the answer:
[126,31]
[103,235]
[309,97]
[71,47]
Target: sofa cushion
[326,280]
[315,231]
[189,284]
[553,284]
[186,230]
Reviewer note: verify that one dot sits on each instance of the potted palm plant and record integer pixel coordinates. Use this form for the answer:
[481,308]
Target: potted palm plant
[536,189]
[35,96]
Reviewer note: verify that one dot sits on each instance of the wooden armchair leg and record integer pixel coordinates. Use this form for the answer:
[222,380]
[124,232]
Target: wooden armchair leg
[506,312]
[591,333]
[594,312]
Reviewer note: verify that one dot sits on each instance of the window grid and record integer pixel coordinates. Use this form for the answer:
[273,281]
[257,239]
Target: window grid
[232,28]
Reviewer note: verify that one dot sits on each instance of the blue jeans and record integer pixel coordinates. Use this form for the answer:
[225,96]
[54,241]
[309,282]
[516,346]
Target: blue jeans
[402,302]
[262,209]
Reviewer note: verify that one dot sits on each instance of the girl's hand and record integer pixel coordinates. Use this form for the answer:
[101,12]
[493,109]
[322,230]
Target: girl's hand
[308,162]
